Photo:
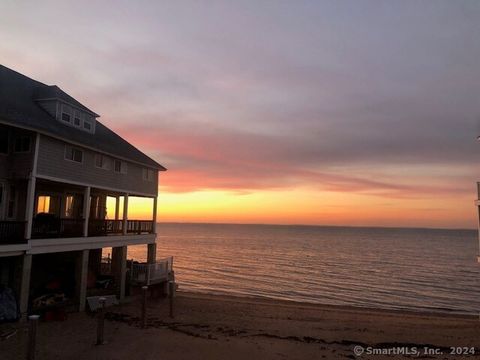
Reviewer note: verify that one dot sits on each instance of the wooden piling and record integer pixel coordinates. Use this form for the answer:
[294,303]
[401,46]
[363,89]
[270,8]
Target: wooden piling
[32,336]
[101,322]
[144,306]
[171,289]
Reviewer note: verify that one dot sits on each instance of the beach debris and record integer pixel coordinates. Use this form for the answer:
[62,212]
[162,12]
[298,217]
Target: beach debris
[8,334]
[94,301]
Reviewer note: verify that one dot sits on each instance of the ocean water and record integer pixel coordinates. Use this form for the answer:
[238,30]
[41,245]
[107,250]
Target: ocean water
[413,269]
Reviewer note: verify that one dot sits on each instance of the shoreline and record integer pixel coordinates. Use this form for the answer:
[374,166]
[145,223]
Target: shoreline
[217,327]
[318,306]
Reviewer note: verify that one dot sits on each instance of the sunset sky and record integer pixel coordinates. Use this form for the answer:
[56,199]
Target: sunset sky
[304,112]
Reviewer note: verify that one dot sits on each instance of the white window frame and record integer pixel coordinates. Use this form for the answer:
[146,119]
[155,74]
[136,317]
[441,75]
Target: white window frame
[77,114]
[64,109]
[123,166]
[106,162]
[90,120]
[73,148]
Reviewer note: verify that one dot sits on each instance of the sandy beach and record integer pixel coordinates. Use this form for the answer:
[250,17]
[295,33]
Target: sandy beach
[220,327]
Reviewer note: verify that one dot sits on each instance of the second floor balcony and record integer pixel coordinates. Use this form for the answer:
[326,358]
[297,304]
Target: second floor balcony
[13,232]
[68,211]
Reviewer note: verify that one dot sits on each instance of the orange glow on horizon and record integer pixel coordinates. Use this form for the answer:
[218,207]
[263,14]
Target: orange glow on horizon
[304,206]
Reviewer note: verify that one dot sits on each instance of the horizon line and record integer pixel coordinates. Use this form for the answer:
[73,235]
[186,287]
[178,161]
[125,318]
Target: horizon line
[317,225]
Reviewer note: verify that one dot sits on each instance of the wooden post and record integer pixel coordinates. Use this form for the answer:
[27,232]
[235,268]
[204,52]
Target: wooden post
[171,289]
[117,207]
[81,274]
[25,284]
[30,198]
[29,210]
[119,269]
[154,215]
[151,253]
[32,336]
[86,210]
[125,213]
[101,322]
[144,306]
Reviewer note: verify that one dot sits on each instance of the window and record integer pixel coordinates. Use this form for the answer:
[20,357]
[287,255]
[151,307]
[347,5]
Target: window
[66,113]
[73,154]
[43,204]
[148,174]
[12,199]
[22,144]
[66,117]
[102,161]
[87,125]
[1,200]
[69,200]
[4,141]
[77,119]
[120,167]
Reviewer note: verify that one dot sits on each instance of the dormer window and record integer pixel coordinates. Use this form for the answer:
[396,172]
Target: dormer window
[77,119]
[66,113]
[88,122]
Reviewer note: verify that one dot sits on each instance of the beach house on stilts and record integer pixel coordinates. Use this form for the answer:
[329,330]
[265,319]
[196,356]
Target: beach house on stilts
[66,185]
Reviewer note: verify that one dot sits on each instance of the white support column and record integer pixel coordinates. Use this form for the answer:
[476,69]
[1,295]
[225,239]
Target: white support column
[125,213]
[25,285]
[86,210]
[117,207]
[32,181]
[81,275]
[119,267]
[155,215]
[29,206]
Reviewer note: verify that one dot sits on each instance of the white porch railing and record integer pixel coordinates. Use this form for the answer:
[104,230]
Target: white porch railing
[148,274]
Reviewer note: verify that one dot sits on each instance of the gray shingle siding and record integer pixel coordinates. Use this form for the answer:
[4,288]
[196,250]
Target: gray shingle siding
[52,163]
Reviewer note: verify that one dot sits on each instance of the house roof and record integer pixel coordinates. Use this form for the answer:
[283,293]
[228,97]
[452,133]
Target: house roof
[53,92]
[18,107]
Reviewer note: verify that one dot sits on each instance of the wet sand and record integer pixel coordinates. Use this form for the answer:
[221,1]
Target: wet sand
[225,327]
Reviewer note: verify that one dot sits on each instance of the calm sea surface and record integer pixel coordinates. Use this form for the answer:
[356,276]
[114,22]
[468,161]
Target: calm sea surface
[416,269]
